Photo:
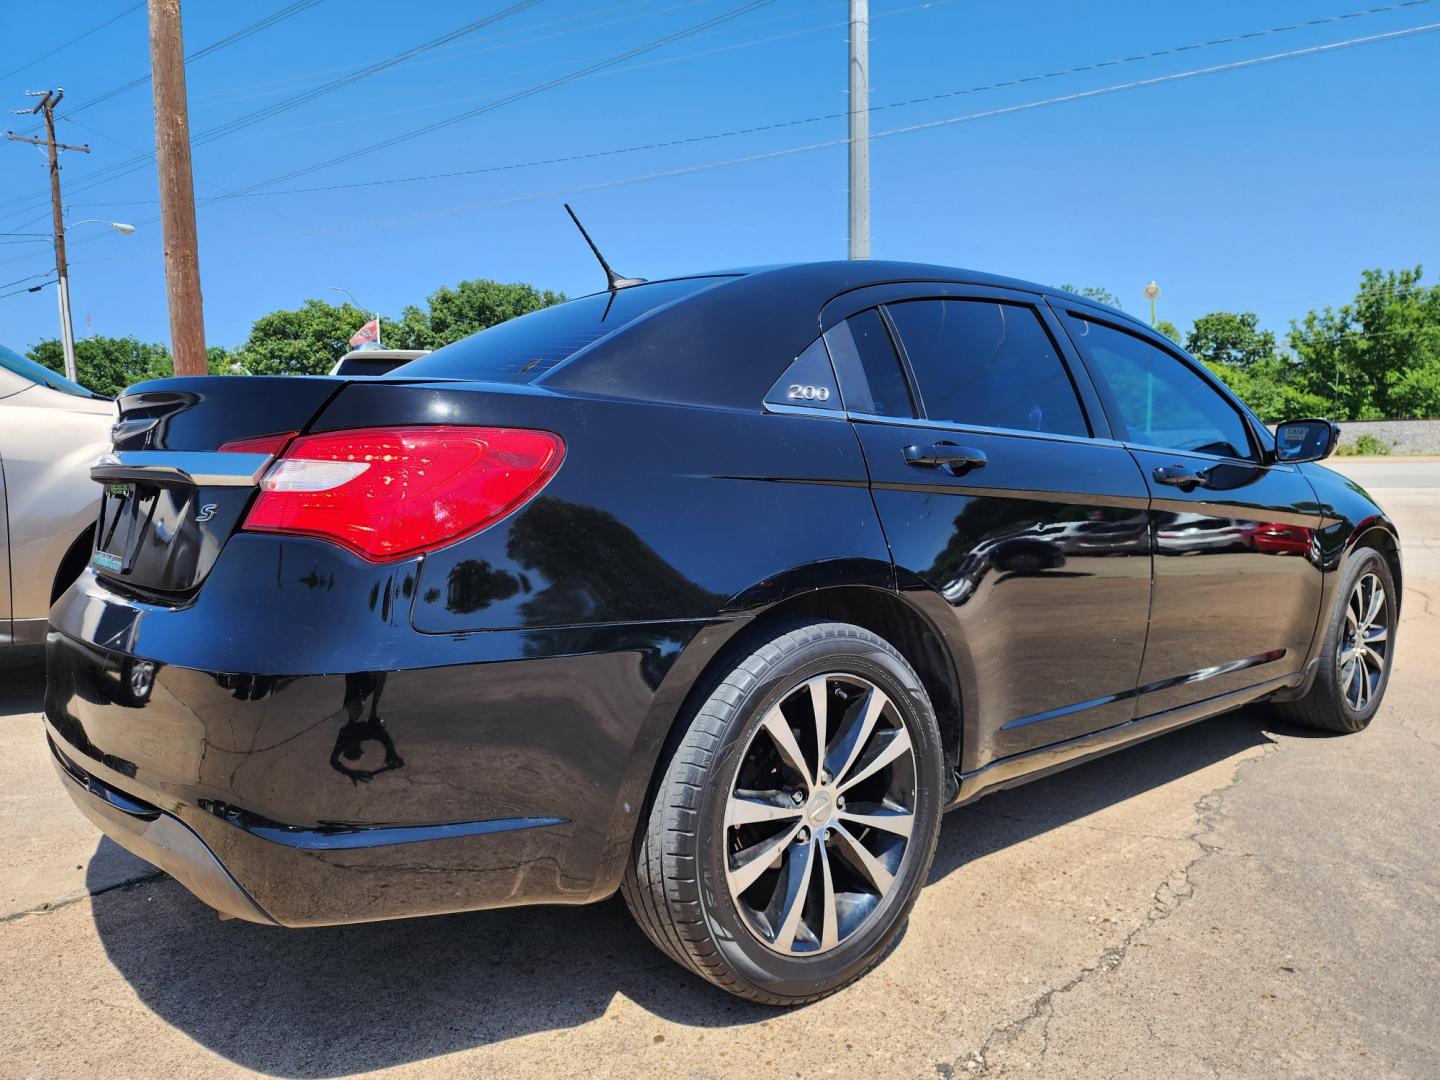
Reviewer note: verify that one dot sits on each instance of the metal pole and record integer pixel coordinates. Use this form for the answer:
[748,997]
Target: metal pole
[177,189]
[67,328]
[859,129]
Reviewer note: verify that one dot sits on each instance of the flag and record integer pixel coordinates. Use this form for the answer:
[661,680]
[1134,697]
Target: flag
[367,333]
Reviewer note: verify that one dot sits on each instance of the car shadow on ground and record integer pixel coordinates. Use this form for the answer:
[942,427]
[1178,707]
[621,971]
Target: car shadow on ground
[329,1001]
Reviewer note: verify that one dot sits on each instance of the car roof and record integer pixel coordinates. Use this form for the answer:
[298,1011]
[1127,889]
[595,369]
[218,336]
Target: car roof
[722,344]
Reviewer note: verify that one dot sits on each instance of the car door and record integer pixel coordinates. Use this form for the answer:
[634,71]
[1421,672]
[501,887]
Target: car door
[1011,517]
[1237,581]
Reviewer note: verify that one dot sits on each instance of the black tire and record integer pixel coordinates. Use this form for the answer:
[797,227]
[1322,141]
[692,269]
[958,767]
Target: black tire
[677,883]
[1327,705]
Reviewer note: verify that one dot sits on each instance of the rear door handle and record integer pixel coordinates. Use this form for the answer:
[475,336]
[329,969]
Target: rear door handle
[1181,476]
[945,455]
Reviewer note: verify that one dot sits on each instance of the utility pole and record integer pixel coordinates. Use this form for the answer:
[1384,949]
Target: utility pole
[859,129]
[177,189]
[48,100]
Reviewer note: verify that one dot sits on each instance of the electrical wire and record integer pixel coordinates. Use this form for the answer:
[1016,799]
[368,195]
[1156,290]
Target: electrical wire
[1082,95]
[79,37]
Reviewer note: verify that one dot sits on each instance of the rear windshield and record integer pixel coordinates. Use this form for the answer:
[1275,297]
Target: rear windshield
[523,349]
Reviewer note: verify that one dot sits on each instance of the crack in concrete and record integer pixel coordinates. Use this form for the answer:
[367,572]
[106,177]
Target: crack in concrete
[64,902]
[1166,899]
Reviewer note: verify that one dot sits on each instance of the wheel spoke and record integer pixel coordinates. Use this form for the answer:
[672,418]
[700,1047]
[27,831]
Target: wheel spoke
[851,740]
[829,913]
[859,856]
[1376,635]
[885,818]
[752,808]
[799,863]
[1377,602]
[888,746]
[756,859]
[778,728]
[820,706]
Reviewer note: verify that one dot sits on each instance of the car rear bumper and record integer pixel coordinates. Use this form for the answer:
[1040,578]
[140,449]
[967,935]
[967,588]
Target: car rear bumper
[159,838]
[512,773]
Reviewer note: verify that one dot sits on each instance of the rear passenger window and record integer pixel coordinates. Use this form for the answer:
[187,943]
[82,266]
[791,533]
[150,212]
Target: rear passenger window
[987,364]
[868,366]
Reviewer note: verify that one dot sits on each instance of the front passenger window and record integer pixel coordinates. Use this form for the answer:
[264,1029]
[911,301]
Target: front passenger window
[1161,401]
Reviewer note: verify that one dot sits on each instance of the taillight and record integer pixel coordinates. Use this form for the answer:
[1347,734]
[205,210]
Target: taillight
[259,444]
[386,493]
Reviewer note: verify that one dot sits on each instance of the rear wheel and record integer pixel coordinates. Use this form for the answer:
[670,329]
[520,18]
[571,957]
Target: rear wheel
[796,819]
[1359,647]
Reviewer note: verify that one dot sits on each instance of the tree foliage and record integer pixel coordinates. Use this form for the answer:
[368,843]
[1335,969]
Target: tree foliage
[307,340]
[1378,356]
[107,364]
[468,308]
[1232,338]
[1094,292]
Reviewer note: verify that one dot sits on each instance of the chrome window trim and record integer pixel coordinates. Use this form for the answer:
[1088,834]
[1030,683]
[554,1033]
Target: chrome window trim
[803,410]
[979,429]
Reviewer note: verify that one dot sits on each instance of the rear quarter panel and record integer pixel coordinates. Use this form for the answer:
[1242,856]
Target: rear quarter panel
[658,512]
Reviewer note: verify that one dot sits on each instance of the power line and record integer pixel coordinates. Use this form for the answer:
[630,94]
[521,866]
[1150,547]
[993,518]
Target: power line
[511,98]
[141,161]
[79,37]
[820,118]
[906,130]
[215,46]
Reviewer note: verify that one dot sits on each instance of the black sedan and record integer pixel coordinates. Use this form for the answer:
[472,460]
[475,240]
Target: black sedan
[715,591]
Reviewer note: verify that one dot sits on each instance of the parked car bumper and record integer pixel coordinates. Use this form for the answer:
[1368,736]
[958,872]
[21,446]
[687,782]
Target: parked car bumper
[327,798]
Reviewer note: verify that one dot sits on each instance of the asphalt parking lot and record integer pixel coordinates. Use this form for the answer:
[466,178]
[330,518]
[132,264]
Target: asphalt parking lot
[1240,898]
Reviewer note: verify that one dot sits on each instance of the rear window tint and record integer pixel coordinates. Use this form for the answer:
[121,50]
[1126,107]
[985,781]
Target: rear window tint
[523,349]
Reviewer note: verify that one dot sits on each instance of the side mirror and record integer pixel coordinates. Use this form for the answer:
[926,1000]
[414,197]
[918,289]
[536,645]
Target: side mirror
[1305,440]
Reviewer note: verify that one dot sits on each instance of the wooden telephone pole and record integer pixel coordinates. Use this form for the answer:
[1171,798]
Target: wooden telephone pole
[48,100]
[177,189]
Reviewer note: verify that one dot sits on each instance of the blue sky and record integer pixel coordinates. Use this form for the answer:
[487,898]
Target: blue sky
[1265,188]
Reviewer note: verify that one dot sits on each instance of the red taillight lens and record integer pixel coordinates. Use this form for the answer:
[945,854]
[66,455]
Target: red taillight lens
[390,492]
[260,444]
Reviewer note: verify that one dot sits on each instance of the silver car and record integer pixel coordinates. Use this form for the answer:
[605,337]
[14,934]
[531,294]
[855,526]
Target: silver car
[51,432]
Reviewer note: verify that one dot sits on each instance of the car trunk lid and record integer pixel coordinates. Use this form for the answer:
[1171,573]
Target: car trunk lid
[186,460]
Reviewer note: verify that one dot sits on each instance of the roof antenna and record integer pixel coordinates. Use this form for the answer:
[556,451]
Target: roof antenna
[615,281]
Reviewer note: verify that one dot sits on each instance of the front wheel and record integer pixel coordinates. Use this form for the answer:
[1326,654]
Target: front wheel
[1358,650]
[796,819]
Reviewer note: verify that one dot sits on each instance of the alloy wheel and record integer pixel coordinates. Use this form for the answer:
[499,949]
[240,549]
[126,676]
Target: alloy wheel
[820,814]
[1364,643]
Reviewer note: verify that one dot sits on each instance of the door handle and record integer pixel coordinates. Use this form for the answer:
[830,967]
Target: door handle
[1181,476]
[945,455]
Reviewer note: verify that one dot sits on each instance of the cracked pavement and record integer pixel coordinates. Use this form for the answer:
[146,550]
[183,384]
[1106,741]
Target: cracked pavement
[1240,898]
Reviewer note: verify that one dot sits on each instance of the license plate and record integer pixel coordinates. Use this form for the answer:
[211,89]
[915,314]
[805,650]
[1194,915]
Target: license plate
[124,513]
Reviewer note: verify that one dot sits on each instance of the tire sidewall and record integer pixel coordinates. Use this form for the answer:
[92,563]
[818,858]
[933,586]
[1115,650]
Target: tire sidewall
[800,977]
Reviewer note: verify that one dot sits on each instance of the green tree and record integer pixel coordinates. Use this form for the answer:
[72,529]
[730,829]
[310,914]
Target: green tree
[107,364]
[1094,292]
[1231,338]
[307,340]
[1378,356]
[1169,329]
[471,306]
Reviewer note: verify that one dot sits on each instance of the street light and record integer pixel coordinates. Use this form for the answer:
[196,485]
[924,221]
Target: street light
[1152,293]
[119,226]
[67,329]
